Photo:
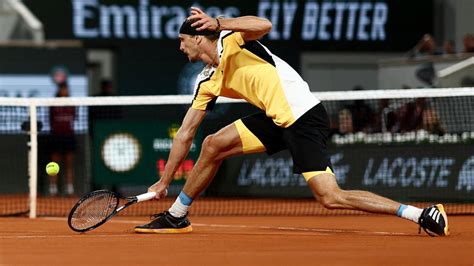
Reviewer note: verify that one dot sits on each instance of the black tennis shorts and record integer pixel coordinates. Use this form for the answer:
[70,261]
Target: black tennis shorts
[306,138]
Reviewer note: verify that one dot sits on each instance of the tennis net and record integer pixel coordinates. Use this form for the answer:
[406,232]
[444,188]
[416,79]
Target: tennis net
[410,145]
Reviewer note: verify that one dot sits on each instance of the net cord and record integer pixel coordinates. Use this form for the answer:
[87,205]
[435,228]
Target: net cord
[187,99]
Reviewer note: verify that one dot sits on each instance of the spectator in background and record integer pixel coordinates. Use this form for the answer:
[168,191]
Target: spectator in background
[449,47]
[362,114]
[345,122]
[419,115]
[385,118]
[431,123]
[468,41]
[426,46]
[62,141]
[410,115]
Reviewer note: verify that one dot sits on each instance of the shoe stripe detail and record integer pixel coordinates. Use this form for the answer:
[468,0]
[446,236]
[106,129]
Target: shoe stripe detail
[434,213]
[433,210]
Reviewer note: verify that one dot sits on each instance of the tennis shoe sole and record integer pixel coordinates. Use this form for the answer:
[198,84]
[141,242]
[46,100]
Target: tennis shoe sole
[187,229]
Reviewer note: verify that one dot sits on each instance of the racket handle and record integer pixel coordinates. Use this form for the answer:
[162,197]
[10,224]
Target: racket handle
[146,196]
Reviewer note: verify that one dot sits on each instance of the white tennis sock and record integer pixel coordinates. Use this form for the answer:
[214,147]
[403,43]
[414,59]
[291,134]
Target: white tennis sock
[178,209]
[409,212]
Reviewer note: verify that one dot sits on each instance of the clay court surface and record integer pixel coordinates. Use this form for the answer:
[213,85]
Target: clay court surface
[315,240]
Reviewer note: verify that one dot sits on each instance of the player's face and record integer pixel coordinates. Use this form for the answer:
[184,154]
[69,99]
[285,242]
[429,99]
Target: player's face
[189,46]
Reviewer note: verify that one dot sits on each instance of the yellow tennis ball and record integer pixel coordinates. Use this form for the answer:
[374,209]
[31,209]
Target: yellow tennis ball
[52,168]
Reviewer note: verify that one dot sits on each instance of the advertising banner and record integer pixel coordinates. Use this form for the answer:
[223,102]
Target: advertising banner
[315,24]
[404,172]
[130,153]
[143,34]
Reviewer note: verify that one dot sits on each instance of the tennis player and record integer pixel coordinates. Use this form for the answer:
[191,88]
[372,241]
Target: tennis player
[238,66]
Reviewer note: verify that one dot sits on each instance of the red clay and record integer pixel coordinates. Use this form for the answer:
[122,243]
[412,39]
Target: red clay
[317,240]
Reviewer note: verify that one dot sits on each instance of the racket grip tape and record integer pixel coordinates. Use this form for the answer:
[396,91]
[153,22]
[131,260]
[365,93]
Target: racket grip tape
[146,196]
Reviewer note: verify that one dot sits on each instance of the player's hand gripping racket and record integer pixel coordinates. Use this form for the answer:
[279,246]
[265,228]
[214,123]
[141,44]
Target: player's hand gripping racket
[97,207]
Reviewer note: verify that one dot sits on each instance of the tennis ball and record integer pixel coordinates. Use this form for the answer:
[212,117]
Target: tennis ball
[52,168]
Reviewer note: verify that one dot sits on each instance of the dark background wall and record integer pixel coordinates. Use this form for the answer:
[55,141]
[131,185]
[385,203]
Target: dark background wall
[152,64]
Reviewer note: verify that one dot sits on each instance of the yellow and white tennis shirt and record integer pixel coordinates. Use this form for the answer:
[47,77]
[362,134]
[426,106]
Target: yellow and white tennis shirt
[249,71]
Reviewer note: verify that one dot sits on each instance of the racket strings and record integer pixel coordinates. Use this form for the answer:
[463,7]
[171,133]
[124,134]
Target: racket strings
[94,210]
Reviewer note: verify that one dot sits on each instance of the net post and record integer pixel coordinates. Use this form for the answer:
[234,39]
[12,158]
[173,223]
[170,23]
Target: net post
[33,161]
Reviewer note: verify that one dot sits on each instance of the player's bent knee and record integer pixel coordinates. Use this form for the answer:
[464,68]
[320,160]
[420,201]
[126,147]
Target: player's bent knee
[209,146]
[326,189]
[212,146]
[329,201]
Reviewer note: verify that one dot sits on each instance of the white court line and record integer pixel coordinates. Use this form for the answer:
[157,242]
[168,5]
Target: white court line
[62,236]
[264,227]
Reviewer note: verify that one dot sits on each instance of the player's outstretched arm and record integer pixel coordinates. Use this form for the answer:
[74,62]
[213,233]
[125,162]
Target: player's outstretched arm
[251,27]
[179,150]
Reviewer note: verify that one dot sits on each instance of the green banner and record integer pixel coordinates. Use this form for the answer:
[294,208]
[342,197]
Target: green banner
[135,153]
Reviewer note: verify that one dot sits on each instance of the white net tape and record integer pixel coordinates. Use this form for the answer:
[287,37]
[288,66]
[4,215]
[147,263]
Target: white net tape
[186,99]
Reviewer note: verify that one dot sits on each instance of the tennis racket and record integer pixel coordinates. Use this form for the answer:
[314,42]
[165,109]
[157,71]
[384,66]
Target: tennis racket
[97,207]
